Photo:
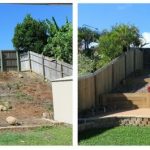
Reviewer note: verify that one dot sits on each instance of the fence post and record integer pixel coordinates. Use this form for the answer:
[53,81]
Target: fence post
[134,57]
[97,100]
[18,60]
[61,70]
[1,55]
[112,75]
[43,66]
[30,61]
[125,63]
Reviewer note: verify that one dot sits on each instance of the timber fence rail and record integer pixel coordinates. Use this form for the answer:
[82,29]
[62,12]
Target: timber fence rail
[91,87]
[49,68]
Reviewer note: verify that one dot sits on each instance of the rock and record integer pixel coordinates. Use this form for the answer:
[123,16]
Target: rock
[46,115]
[45,80]
[51,115]
[11,120]
[20,76]
[7,105]
[2,108]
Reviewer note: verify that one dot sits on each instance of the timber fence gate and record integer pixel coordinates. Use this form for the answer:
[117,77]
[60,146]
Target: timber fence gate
[49,68]
[8,60]
[92,86]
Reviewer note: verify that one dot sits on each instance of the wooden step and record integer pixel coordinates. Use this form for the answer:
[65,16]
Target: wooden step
[126,100]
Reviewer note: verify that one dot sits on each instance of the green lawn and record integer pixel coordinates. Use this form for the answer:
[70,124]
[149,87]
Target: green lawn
[56,135]
[123,135]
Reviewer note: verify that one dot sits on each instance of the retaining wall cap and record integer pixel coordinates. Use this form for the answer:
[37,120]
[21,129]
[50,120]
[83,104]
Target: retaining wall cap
[67,78]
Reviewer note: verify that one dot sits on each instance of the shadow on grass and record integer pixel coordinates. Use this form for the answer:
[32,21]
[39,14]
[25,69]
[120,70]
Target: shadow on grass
[91,133]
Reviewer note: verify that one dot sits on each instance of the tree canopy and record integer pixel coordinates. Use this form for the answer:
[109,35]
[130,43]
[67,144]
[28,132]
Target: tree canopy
[112,43]
[59,41]
[30,35]
[118,40]
[44,37]
[86,36]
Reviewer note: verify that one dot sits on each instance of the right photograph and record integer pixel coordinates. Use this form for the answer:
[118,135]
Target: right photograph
[113,74]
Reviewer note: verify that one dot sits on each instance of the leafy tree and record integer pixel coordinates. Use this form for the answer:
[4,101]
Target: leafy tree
[111,44]
[86,36]
[59,41]
[118,40]
[85,64]
[30,35]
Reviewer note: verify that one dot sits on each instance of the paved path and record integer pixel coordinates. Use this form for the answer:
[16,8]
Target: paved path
[141,112]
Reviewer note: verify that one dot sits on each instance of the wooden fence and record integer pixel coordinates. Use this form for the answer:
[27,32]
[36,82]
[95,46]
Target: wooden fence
[8,60]
[146,57]
[45,66]
[30,61]
[91,87]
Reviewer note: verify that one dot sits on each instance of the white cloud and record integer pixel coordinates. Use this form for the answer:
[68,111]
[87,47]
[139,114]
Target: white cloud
[146,36]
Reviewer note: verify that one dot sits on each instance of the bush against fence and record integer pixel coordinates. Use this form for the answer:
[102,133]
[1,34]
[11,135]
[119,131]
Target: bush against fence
[91,87]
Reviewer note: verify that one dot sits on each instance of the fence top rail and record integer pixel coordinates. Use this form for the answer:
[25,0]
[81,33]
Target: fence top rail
[58,62]
[51,59]
[102,69]
[85,76]
[14,51]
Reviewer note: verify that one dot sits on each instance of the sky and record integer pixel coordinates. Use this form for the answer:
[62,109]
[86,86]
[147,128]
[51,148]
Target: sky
[104,16]
[11,14]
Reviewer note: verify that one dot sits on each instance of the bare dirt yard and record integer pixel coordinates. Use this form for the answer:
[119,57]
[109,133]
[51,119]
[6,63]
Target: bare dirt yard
[27,96]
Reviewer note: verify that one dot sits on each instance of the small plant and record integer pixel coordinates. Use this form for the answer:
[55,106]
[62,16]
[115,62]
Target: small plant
[23,96]
[9,86]
[48,106]
[17,86]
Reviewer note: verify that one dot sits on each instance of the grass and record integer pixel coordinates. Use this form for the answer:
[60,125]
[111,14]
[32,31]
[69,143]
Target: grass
[123,135]
[56,135]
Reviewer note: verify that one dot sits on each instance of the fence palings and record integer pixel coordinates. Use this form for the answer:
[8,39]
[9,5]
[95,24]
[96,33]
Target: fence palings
[50,68]
[91,87]
[31,61]
[8,60]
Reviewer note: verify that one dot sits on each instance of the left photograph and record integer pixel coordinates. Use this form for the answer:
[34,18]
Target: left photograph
[36,74]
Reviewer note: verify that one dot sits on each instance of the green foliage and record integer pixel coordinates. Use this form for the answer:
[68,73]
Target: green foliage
[85,64]
[23,97]
[59,41]
[30,35]
[119,39]
[44,37]
[86,36]
[111,45]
